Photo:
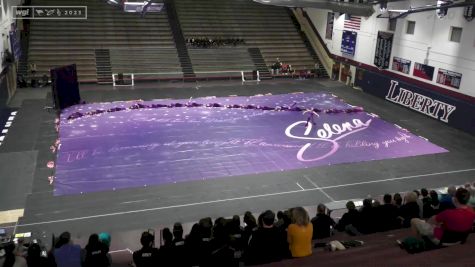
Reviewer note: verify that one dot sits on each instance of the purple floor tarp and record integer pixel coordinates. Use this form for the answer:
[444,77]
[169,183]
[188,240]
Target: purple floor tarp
[151,146]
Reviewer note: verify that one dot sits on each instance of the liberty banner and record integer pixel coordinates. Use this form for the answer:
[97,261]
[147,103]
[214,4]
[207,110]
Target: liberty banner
[384,46]
[108,146]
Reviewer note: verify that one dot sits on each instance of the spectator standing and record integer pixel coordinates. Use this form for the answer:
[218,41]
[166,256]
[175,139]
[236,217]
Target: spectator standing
[322,223]
[148,255]
[179,250]
[451,225]
[299,233]
[192,245]
[67,254]
[250,225]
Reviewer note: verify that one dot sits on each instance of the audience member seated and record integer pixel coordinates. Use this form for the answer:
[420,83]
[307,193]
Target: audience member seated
[299,233]
[206,229]
[37,257]
[8,257]
[367,221]
[409,210]
[205,42]
[250,225]
[450,225]
[67,254]
[446,199]
[236,232]
[192,245]
[349,220]
[427,210]
[96,254]
[179,248]
[387,214]
[322,223]
[397,200]
[148,255]
[166,250]
[434,202]
[471,189]
[221,252]
[419,202]
[266,243]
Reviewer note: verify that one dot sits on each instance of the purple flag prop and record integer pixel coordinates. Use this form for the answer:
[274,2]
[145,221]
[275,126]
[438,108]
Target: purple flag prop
[116,145]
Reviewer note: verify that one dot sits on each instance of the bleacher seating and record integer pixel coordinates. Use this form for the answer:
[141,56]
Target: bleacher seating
[60,42]
[268,28]
[220,61]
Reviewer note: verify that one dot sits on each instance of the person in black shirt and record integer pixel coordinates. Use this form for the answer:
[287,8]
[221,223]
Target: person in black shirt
[386,215]
[409,210]
[266,244]
[96,254]
[322,223]
[367,222]
[148,255]
[349,220]
[179,250]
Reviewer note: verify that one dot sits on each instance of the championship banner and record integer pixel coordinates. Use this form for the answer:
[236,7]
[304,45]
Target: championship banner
[330,21]
[348,43]
[423,71]
[384,45]
[449,78]
[401,65]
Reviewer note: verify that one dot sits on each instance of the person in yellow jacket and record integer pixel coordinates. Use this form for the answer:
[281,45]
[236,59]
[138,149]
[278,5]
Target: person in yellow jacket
[299,233]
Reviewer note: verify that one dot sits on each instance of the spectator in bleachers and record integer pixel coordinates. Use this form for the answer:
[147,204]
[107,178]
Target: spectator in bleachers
[349,220]
[96,254]
[434,201]
[419,203]
[8,257]
[179,248]
[451,225]
[446,199]
[367,221]
[322,223]
[427,210]
[67,254]
[36,257]
[387,214]
[166,249]
[148,255]
[105,238]
[409,210]
[192,245]
[299,233]
[250,225]
[221,253]
[206,228]
[471,189]
[266,243]
[397,200]
[236,232]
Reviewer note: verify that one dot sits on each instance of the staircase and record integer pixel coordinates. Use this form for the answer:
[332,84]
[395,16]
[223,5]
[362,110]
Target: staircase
[321,72]
[259,62]
[184,57]
[22,68]
[103,66]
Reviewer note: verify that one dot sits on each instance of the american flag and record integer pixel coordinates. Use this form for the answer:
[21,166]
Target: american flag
[352,22]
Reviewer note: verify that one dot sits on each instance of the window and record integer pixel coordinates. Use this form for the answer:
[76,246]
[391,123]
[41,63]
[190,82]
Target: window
[455,34]
[411,26]
[392,25]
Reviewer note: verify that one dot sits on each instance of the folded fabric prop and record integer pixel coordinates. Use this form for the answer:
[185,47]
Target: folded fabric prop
[342,245]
